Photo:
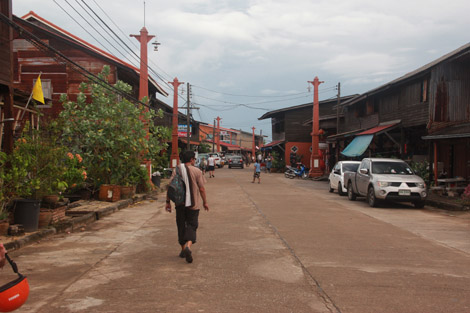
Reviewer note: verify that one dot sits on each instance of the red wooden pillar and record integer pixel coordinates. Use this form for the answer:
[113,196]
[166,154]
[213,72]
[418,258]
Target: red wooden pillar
[144,39]
[253,146]
[174,158]
[315,169]
[218,133]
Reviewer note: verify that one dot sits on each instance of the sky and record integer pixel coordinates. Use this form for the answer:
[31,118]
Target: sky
[244,58]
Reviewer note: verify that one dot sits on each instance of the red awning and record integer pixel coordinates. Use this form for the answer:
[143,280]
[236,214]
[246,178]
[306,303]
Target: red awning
[377,129]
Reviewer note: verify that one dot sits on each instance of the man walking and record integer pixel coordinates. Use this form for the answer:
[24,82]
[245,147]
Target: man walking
[257,172]
[187,215]
[211,165]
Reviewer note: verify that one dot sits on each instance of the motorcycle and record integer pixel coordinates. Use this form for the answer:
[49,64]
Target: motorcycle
[299,171]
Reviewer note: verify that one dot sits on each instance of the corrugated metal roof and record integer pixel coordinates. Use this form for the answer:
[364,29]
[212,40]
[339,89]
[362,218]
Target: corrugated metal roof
[455,131]
[301,106]
[418,72]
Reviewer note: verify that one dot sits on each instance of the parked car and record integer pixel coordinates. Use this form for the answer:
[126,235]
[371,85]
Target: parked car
[336,178]
[385,179]
[235,161]
[219,162]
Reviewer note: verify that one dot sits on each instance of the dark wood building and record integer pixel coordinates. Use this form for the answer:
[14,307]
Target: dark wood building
[292,127]
[61,76]
[431,103]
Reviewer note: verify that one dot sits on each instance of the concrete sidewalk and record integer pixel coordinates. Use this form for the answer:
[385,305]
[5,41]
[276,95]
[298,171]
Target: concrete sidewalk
[79,215]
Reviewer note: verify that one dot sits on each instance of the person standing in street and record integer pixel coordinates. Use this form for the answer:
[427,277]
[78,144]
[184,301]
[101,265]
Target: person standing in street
[187,215]
[211,165]
[269,163]
[257,172]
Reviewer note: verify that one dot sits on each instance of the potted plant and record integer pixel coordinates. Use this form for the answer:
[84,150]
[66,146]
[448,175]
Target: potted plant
[40,155]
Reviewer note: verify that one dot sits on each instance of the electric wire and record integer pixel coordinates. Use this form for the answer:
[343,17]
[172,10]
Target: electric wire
[42,46]
[132,42]
[123,43]
[102,36]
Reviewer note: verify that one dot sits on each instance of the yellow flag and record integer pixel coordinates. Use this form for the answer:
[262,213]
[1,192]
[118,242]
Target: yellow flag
[37,91]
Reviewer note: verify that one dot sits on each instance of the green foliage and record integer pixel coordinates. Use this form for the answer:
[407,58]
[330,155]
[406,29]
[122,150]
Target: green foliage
[36,165]
[421,169]
[110,133]
[204,148]
[277,161]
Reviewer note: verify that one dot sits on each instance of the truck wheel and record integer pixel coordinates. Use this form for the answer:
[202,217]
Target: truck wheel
[419,204]
[351,195]
[340,189]
[371,199]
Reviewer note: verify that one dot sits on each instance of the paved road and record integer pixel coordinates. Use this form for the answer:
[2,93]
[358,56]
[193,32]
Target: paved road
[279,246]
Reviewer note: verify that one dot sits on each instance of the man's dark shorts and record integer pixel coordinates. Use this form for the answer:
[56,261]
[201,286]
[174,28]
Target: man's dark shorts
[211,168]
[256,175]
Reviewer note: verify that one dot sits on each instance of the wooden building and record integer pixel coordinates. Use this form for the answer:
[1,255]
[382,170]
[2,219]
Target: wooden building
[230,140]
[60,76]
[292,128]
[430,104]
[6,78]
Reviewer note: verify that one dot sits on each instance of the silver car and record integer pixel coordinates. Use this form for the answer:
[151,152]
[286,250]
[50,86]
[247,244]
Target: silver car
[336,178]
[386,179]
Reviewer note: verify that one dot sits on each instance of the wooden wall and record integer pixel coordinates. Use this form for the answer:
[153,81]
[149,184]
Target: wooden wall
[5,52]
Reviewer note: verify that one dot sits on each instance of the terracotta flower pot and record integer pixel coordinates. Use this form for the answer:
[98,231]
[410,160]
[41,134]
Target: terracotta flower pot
[45,217]
[51,199]
[4,225]
[127,192]
[110,193]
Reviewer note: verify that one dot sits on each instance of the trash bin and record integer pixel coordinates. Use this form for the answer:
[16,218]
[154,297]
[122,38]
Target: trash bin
[156,178]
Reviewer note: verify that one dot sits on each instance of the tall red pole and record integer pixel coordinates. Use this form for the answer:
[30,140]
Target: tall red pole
[144,38]
[174,158]
[253,146]
[315,170]
[218,133]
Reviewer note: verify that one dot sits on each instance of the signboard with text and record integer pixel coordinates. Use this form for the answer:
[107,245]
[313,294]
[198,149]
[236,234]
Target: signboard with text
[182,130]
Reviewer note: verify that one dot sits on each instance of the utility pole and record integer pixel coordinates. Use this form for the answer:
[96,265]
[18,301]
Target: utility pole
[337,108]
[253,146]
[337,123]
[174,159]
[315,170]
[218,133]
[213,136]
[188,112]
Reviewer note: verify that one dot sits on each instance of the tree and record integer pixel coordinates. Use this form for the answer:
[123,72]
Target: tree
[110,132]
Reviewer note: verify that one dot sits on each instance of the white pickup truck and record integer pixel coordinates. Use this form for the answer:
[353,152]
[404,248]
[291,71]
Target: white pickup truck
[385,179]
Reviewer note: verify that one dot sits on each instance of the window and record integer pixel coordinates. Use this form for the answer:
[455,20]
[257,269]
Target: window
[46,91]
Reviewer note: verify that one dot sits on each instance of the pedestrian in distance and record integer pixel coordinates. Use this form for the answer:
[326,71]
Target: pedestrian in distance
[269,163]
[257,172]
[203,166]
[211,165]
[187,214]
